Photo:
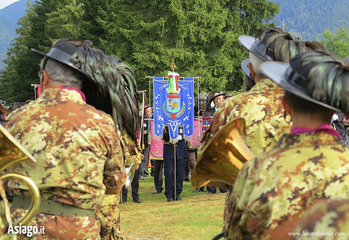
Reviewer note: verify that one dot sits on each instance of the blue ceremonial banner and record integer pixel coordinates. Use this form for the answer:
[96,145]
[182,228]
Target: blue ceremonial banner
[174,106]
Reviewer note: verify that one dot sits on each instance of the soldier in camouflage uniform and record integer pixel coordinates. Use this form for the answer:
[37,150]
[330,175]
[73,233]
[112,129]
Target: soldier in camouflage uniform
[109,211]
[260,106]
[273,191]
[75,132]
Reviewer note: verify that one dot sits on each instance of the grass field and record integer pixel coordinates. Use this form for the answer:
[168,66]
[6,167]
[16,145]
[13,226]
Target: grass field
[196,216]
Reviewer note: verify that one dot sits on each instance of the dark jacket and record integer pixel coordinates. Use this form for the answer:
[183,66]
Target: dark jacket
[181,148]
[210,112]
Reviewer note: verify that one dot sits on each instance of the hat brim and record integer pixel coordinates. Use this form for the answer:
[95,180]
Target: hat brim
[62,57]
[245,69]
[276,72]
[254,46]
[247,41]
[221,94]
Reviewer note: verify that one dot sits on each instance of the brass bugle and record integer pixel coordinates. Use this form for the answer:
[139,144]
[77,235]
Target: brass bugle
[223,157]
[12,152]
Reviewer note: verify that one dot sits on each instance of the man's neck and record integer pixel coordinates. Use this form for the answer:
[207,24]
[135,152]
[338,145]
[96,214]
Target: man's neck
[306,121]
[257,79]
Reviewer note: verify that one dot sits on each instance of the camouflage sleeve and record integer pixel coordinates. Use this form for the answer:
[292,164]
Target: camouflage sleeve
[109,217]
[326,217]
[219,120]
[114,168]
[131,150]
[236,204]
[135,152]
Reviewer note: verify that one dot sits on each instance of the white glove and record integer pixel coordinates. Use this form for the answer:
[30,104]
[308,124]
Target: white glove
[335,117]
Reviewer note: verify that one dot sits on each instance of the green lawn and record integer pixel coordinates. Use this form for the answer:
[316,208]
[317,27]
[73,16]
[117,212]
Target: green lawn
[196,216]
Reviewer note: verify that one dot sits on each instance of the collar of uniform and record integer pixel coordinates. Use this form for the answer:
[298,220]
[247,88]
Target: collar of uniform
[264,84]
[62,94]
[309,139]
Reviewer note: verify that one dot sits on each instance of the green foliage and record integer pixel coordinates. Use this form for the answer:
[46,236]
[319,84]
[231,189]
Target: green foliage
[336,42]
[201,36]
[22,65]
[309,18]
[44,22]
[65,21]
[8,24]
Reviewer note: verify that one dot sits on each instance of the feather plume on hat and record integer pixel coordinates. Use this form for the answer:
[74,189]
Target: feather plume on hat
[108,84]
[114,90]
[280,45]
[328,78]
[346,61]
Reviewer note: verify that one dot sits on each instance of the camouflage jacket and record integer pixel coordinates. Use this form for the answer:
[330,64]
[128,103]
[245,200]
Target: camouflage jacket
[131,149]
[262,110]
[76,147]
[326,219]
[273,191]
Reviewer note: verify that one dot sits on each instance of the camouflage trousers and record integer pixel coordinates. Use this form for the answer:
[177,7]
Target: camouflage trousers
[109,217]
[60,227]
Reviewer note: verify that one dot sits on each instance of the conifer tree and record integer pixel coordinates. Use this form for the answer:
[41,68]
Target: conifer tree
[22,64]
[200,35]
[44,22]
[65,21]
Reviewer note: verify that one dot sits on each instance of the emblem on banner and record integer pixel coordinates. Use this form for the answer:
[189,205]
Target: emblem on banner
[173,99]
[173,102]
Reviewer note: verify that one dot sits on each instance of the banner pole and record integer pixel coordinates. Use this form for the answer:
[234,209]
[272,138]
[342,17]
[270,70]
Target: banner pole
[175,173]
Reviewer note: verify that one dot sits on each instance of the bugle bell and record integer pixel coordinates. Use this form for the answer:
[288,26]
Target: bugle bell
[12,152]
[223,157]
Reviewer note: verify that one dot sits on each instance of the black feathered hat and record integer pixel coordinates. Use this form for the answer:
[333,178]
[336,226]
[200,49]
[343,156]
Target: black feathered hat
[63,50]
[111,85]
[147,106]
[317,76]
[273,44]
[216,94]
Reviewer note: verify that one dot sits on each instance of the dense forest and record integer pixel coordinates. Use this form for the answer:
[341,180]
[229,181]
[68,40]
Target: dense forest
[308,19]
[201,36]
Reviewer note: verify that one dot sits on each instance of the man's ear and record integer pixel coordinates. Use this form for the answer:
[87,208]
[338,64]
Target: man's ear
[253,74]
[45,78]
[286,106]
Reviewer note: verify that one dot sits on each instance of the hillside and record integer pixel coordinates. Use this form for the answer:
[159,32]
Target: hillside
[309,18]
[304,18]
[9,17]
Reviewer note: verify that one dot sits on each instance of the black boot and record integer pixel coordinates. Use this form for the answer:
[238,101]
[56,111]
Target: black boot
[123,200]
